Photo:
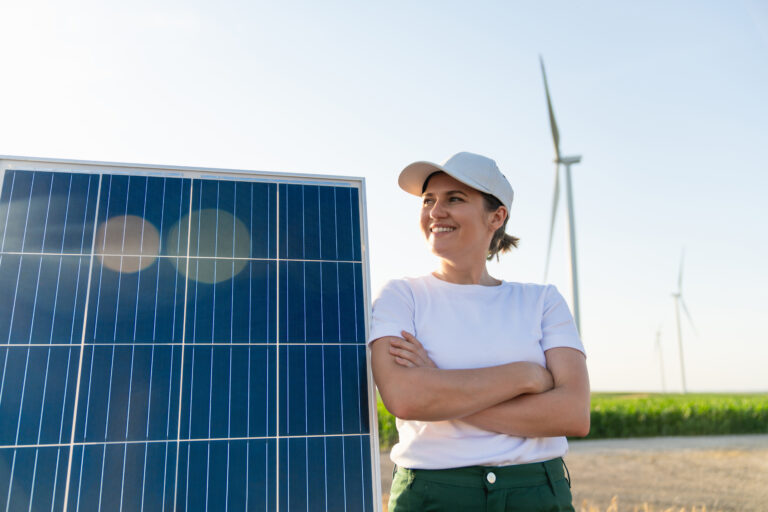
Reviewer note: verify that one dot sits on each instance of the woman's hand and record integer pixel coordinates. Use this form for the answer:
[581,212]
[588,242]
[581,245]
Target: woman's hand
[542,379]
[409,352]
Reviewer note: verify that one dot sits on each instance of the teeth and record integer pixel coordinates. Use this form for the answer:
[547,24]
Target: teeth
[441,229]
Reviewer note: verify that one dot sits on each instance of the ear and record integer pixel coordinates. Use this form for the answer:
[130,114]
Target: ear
[496,219]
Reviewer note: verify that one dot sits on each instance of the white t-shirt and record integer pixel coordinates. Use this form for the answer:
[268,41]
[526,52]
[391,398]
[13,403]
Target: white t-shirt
[473,326]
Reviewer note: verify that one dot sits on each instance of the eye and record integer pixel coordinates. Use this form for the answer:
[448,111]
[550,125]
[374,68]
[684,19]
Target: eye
[456,199]
[427,201]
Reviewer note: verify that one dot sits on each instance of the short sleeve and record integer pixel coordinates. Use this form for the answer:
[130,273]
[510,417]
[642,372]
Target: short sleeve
[557,326]
[393,311]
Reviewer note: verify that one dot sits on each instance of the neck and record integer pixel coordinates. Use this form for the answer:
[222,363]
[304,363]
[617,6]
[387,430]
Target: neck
[465,274]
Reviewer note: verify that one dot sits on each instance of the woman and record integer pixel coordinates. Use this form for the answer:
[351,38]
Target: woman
[485,377]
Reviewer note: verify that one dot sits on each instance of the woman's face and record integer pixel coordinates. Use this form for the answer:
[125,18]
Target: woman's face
[454,220]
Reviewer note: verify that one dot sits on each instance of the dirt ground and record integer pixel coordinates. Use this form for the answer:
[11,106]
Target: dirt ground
[721,473]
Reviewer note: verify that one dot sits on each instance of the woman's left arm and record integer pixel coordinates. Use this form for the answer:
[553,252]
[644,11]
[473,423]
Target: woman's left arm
[561,411]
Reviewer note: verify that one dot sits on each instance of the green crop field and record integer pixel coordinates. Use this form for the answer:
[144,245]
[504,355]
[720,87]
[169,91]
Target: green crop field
[654,414]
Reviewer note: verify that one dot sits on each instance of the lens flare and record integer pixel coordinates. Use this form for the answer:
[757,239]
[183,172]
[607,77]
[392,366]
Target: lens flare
[215,233]
[127,243]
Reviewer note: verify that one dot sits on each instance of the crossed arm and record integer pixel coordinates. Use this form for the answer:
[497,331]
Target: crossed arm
[521,399]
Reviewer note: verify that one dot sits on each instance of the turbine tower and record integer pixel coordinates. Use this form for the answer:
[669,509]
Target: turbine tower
[661,360]
[567,161]
[678,296]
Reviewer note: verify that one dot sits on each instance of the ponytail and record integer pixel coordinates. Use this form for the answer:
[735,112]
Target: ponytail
[501,242]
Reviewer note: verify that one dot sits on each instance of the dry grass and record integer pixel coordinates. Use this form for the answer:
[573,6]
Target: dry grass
[645,507]
[614,507]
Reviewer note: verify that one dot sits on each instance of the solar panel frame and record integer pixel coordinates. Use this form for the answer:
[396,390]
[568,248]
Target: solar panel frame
[76,167]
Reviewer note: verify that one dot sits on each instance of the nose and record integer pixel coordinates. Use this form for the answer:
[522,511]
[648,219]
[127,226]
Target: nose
[437,211]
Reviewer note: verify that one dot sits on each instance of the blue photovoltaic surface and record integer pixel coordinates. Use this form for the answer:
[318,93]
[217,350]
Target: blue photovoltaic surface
[171,343]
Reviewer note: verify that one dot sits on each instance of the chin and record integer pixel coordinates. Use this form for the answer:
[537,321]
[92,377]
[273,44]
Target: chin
[441,251]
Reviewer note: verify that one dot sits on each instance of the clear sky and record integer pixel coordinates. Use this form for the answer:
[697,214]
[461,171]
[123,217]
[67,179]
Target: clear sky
[666,101]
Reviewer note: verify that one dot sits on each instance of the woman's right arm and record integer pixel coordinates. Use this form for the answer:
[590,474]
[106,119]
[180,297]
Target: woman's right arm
[432,394]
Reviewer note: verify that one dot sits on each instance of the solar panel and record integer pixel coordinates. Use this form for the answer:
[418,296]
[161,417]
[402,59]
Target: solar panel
[182,339]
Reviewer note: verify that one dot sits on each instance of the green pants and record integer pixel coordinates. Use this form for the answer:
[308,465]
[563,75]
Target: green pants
[540,486]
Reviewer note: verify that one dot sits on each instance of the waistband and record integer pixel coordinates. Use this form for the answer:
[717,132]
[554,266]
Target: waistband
[493,477]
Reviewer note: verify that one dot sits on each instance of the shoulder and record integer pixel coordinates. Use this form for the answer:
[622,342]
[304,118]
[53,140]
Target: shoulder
[401,287]
[396,291]
[529,290]
[526,287]
[540,297]
[393,310]
[393,286]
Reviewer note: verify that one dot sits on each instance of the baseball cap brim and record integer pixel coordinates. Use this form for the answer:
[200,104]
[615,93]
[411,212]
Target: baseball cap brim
[412,178]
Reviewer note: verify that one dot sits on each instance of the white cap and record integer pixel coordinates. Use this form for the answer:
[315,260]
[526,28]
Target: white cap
[476,171]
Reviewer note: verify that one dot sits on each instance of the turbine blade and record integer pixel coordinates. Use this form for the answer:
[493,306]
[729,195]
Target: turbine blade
[552,121]
[555,199]
[680,272]
[688,316]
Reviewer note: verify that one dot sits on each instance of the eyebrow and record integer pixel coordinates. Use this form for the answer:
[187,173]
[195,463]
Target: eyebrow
[446,193]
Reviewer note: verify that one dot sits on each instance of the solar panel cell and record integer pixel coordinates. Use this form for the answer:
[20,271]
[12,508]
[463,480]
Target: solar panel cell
[36,394]
[316,222]
[231,219]
[213,475]
[99,479]
[322,389]
[237,309]
[43,298]
[321,302]
[31,478]
[324,474]
[149,374]
[159,202]
[45,211]
[227,392]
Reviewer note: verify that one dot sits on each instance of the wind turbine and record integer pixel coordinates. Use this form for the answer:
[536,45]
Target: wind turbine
[567,161]
[678,296]
[661,359]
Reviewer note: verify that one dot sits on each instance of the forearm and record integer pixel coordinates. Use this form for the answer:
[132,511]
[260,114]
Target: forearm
[563,410]
[553,413]
[431,394]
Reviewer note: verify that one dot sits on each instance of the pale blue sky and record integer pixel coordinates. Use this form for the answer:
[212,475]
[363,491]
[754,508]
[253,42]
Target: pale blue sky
[665,101]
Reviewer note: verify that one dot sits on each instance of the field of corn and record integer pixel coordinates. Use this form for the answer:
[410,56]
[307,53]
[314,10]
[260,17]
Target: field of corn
[617,415]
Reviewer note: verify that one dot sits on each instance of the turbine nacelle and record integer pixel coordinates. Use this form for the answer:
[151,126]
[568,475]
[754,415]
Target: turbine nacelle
[568,160]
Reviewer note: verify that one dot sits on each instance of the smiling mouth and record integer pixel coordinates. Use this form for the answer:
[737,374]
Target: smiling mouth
[441,229]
